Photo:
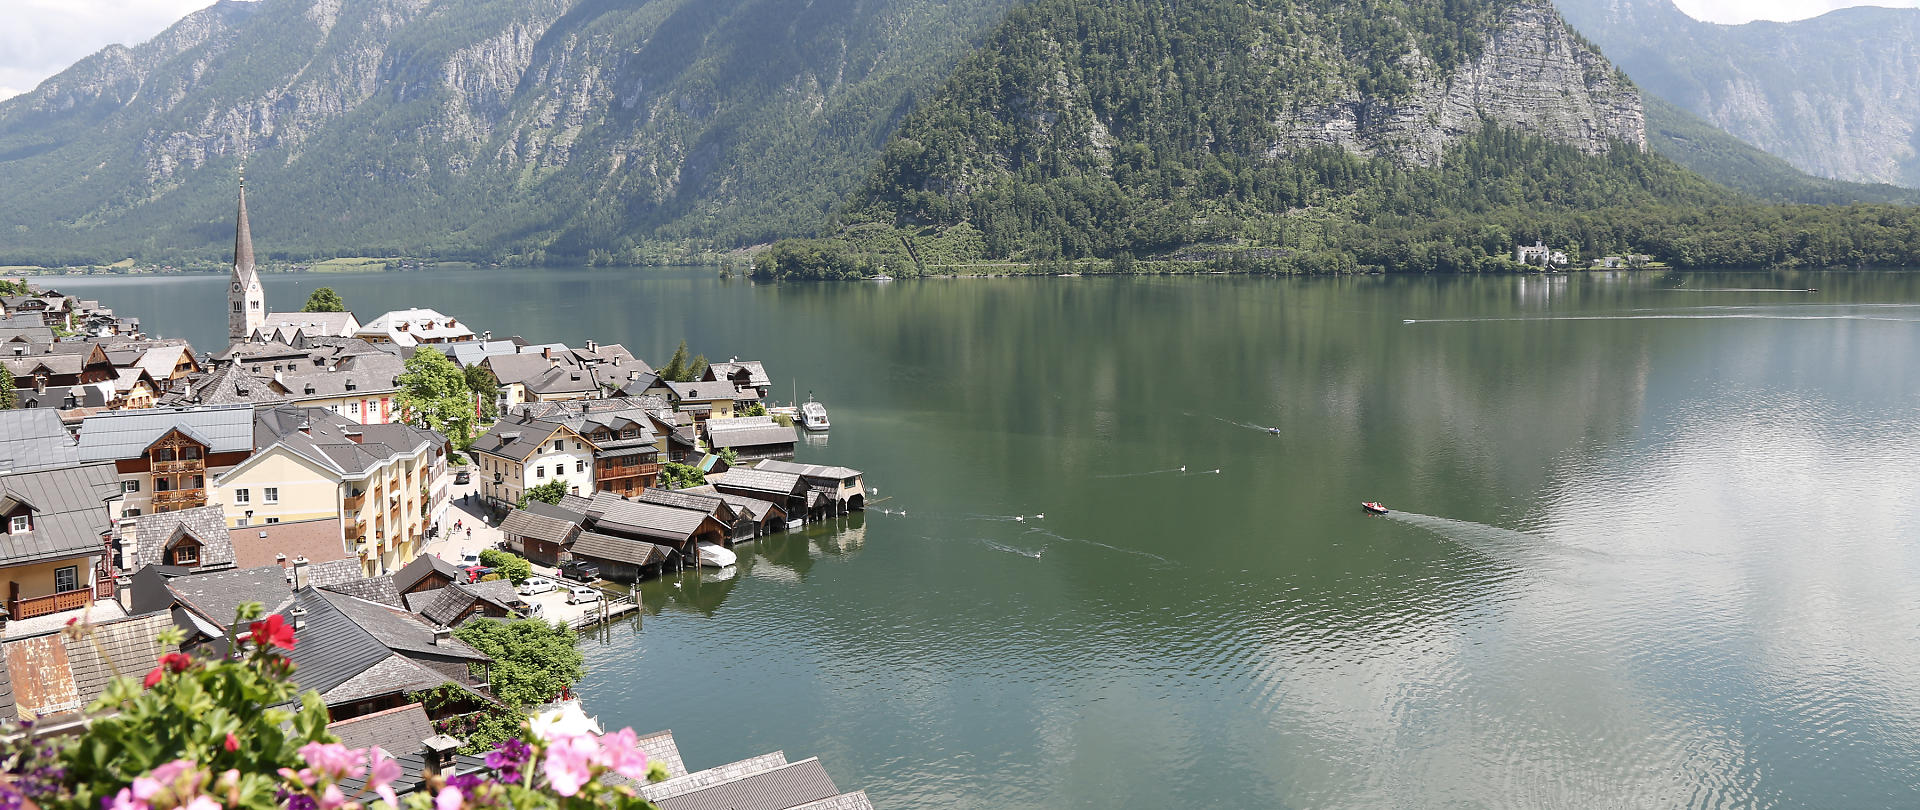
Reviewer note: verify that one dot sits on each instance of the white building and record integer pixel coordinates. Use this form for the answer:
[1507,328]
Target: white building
[519,453]
[412,327]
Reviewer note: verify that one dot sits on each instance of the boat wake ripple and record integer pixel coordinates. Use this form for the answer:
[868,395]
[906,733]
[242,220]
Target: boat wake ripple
[1493,540]
[1135,552]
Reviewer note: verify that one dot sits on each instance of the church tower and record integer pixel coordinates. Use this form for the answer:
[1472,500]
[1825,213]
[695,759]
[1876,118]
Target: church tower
[246,301]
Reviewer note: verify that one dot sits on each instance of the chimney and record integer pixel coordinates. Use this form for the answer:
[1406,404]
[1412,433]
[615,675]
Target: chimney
[123,591]
[299,617]
[547,352]
[279,377]
[439,756]
[442,635]
[306,427]
[354,436]
[487,335]
[300,577]
[593,345]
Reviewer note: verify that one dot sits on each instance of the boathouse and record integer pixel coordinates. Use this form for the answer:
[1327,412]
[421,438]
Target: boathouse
[784,489]
[681,529]
[621,559]
[843,486]
[751,437]
[767,515]
[541,531]
[740,528]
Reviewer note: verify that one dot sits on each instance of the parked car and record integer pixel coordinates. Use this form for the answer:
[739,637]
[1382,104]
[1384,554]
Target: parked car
[582,595]
[475,572]
[536,611]
[578,570]
[462,477]
[469,558]
[535,585]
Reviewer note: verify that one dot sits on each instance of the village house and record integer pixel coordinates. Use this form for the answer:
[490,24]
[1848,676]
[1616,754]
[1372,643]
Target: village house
[520,452]
[407,328]
[55,555]
[288,327]
[425,573]
[59,367]
[188,538]
[24,330]
[625,450]
[1539,255]
[743,374]
[32,440]
[555,373]
[387,484]
[165,457]
[705,400]
[455,604]
[318,541]
[348,377]
[541,532]
[50,676]
[50,307]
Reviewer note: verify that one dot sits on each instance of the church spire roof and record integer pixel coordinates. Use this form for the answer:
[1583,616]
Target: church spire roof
[242,241]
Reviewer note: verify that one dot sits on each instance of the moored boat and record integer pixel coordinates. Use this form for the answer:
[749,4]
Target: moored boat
[813,416]
[714,555]
[1374,507]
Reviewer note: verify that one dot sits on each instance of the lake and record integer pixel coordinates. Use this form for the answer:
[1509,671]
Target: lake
[1655,540]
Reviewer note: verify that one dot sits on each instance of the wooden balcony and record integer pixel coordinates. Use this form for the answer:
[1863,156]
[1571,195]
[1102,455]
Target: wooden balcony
[44,605]
[180,498]
[183,465]
[353,502]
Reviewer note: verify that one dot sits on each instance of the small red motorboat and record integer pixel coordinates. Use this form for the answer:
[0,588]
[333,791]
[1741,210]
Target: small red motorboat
[1374,507]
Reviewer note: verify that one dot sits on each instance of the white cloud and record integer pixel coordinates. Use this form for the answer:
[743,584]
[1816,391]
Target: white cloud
[1734,12]
[39,38]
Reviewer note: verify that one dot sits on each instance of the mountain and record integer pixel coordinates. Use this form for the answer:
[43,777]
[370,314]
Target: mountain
[488,128]
[1695,144]
[1301,136]
[1837,96]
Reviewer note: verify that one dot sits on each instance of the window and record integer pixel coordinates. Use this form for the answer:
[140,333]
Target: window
[241,496]
[576,490]
[66,579]
[132,486]
[272,494]
[559,469]
[132,513]
[236,306]
[186,555]
[271,521]
[354,407]
[579,466]
[21,523]
[539,472]
[245,522]
[559,444]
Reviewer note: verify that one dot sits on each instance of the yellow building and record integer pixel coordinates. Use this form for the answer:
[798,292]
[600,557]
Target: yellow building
[387,483]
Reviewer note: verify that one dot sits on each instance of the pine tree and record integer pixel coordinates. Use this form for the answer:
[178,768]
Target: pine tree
[697,370]
[677,366]
[7,400]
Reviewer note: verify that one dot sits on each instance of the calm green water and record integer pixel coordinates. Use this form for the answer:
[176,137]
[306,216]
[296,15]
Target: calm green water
[1654,546]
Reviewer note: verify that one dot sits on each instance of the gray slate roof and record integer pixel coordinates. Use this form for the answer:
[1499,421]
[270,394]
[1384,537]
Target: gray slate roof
[706,391]
[331,649]
[34,439]
[593,545]
[399,630]
[650,520]
[698,780]
[401,730]
[333,572]
[748,431]
[116,435]
[217,595]
[807,470]
[783,484]
[514,439]
[526,523]
[372,589]
[742,504]
[410,574]
[157,532]
[775,789]
[69,512]
[326,442]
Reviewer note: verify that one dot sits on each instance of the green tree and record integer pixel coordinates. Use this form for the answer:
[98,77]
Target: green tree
[434,395]
[324,300]
[549,492]
[730,457]
[8,400]
[697,370]
[533,661]
[511,567]
[674,475]
[676,368]
[756,409]
[486,389]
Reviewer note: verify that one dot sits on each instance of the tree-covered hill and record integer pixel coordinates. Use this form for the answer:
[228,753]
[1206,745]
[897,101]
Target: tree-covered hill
[484,128]
[1302,135]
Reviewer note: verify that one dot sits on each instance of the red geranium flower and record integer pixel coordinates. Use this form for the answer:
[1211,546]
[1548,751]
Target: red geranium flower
[171,662]
[232,743]
[273,632]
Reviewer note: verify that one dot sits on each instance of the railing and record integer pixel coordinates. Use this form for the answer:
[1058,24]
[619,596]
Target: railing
[181,498]
[180,466]
[44,605]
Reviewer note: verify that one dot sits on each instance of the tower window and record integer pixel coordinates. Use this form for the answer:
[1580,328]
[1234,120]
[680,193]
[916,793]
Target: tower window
[236,306]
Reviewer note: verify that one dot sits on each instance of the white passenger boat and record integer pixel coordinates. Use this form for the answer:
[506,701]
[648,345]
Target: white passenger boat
[813,416]
[713,555]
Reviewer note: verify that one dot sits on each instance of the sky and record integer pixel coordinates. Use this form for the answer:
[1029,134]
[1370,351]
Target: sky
[39,38]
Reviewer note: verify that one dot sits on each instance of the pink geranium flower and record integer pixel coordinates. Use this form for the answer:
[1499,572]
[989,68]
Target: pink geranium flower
[620,753]
[448,799]
[570,762]
[385,771]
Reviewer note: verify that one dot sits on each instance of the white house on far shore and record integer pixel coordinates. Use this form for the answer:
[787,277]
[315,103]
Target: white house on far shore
[412,327]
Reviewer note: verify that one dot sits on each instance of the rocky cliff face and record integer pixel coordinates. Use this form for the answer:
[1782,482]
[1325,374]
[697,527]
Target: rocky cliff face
[1837,96]
[1532,74]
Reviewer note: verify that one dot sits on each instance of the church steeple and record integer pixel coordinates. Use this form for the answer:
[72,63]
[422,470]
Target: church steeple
[246,301]
[242,240]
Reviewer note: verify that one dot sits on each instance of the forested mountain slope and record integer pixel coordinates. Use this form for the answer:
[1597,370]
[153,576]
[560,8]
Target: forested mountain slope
[1295,136]
[1695,144]
[473,127]
[1837,95]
